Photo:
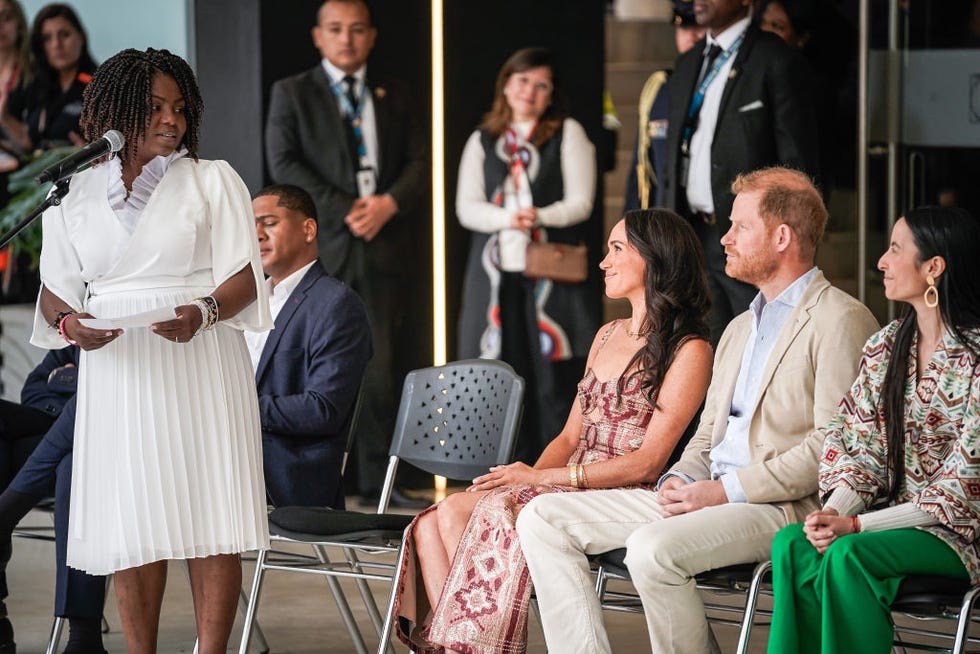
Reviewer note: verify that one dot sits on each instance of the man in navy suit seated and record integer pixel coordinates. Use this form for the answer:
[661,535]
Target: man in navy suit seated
[308,371]
[309,367]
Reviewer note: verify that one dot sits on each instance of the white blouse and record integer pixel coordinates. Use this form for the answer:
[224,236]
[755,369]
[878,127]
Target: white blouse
[478,214]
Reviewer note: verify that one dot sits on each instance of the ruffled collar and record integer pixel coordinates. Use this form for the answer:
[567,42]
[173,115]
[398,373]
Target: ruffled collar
[129,209]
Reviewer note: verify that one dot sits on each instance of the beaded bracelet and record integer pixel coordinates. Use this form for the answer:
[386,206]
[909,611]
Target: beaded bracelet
[855,524]
[55,324]
[209,312]
[61,328]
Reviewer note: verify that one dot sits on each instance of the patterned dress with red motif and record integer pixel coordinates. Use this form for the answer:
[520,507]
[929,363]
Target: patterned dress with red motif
[483,607]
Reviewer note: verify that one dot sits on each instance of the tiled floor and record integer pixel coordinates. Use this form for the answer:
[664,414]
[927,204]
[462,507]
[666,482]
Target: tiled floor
[296,612]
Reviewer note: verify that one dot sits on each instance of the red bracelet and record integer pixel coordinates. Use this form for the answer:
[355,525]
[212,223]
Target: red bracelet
[61,330]
[855,525]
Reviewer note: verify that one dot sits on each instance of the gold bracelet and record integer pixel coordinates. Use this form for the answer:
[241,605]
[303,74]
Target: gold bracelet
[573,475]
[581,476]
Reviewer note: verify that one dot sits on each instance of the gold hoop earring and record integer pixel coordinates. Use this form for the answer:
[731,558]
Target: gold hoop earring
[931,296]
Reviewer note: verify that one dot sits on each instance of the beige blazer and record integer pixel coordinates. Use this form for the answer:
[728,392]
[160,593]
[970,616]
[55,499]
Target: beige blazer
[813,363]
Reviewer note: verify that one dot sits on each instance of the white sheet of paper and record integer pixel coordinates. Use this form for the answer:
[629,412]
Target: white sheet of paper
[144,319]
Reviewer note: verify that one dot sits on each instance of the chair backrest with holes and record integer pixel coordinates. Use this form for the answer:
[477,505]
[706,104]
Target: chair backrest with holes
[459,419]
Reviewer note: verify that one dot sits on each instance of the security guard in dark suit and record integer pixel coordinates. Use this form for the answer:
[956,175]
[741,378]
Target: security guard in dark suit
[650,153]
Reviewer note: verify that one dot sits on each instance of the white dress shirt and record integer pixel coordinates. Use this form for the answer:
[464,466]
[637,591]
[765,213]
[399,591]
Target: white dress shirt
[369,130]
[699,196]
[278,294]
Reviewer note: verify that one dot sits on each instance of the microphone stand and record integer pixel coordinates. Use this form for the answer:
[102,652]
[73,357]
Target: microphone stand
[54,199]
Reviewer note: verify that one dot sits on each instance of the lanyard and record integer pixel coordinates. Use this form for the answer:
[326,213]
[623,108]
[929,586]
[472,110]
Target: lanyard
[695,109]
[353,118]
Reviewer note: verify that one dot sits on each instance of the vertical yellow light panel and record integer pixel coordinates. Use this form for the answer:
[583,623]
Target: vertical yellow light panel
[438,206]
[438,189]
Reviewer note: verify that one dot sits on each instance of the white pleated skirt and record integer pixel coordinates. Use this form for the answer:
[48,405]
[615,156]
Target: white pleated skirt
[167,457]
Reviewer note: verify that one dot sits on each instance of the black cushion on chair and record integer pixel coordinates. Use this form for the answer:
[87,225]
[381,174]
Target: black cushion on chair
[930,594]
[313,524]
[614,562]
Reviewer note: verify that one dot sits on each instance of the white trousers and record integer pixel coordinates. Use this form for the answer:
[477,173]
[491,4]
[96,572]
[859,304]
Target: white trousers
[558,530]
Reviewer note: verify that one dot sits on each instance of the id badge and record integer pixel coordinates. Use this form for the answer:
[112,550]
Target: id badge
[367,183]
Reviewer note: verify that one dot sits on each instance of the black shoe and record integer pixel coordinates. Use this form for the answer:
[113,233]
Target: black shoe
[81,649]
[398,500]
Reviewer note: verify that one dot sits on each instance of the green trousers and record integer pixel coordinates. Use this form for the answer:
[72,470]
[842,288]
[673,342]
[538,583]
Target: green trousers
[839,602]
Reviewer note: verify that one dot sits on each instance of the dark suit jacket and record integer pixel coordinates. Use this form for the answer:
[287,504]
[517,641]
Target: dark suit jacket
[307,381]
[306,145]
[766,118]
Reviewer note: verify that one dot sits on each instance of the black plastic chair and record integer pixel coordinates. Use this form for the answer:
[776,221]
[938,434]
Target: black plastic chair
[923,598]
[928,598]
[746,578]
[456,421]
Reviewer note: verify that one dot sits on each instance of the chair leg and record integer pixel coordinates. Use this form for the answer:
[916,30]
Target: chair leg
[748,615]
[259,636]
[253,601]
[342,605]
[600,583]
[55,638]
[366,596]
[963,623]
[384,644]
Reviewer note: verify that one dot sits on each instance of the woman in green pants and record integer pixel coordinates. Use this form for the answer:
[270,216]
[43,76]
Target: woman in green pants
[900,471]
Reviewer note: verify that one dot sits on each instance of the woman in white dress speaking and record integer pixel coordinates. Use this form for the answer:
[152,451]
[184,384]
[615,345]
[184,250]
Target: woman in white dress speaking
[167,460]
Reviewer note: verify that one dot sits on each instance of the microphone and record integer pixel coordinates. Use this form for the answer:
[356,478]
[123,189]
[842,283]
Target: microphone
[111,141]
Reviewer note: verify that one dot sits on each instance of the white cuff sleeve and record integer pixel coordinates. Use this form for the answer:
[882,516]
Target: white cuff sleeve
[733,487]
[845,500]
[900,516]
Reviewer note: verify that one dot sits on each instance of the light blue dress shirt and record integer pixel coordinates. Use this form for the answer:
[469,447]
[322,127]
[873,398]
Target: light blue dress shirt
[768,320]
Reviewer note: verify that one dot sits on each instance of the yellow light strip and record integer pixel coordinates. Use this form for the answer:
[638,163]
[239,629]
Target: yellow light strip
[438,190]
[438,207]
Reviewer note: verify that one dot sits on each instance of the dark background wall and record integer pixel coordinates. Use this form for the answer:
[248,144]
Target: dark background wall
[243,46]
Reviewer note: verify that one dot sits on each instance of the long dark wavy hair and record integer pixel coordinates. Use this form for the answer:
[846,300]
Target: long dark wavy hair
[119,97]
[676,293]
[954,235]
[499,116]
[47,81]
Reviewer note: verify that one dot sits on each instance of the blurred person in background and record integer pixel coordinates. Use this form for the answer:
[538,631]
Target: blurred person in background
[528,173]
[650,154]
[45,114]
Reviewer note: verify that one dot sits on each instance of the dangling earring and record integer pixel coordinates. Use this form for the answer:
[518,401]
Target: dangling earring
[931,296]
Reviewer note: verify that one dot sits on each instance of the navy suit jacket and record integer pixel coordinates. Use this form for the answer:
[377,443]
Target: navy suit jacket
[307,381]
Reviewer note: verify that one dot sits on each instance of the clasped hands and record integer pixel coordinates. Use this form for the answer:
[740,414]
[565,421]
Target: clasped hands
[368,215]
[824,526]
[524,219]
[677,497]
[180,330]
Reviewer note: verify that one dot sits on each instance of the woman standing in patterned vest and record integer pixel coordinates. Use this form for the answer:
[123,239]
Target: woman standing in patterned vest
[900,470]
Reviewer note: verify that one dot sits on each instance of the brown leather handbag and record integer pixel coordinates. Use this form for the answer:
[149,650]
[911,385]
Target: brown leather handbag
[558,262]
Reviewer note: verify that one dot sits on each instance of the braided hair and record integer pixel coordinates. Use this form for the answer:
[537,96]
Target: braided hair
[119,98]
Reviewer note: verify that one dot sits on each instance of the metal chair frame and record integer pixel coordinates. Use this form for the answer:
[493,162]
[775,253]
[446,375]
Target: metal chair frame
[430,443]
[916,604]
[746,579]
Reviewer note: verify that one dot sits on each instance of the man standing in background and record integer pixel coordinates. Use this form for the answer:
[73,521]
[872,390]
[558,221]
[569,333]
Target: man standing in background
[643,187]
[740,100]
[353,143]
